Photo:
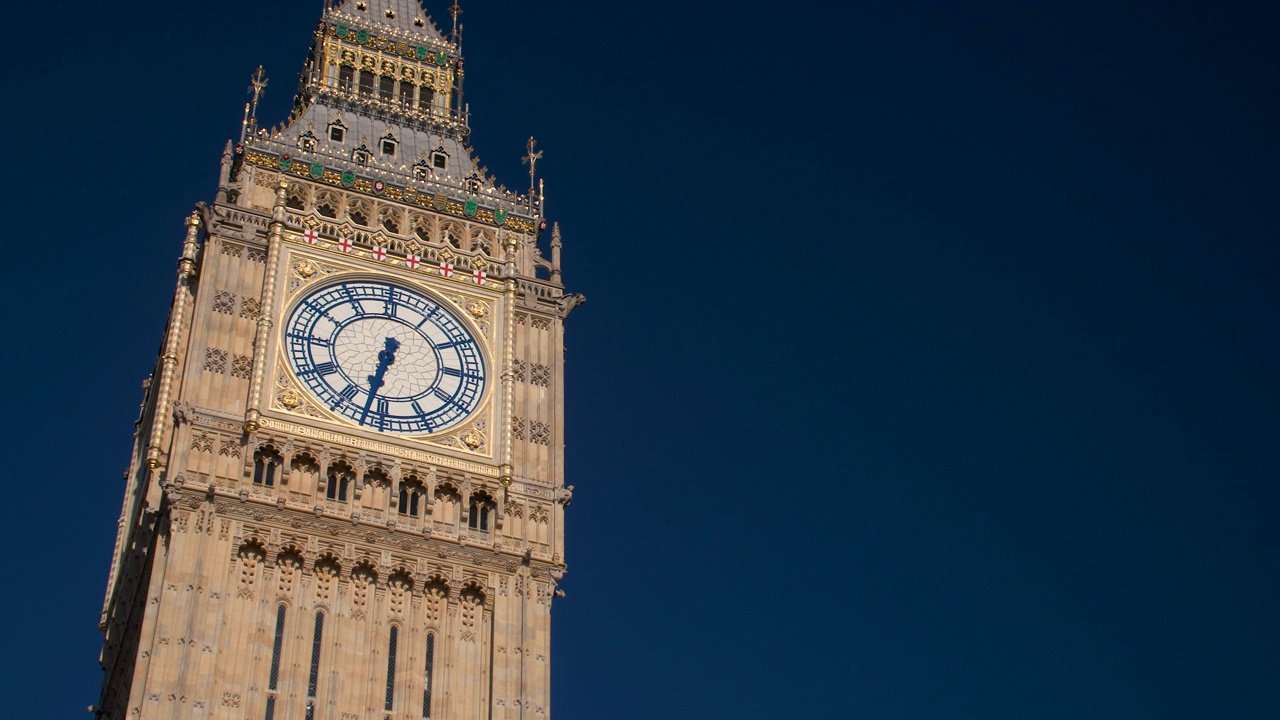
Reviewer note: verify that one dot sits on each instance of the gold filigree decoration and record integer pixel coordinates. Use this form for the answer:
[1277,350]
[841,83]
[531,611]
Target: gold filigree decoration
[477,309]
[305,269]
[472,439]
[290,399]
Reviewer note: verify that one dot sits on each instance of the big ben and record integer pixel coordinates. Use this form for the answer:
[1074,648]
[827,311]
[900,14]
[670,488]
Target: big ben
[346,497]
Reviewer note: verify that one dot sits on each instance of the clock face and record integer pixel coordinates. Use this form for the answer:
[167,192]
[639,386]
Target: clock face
[386,357]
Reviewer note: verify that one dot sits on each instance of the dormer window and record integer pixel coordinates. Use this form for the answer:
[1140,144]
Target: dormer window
[361,155]
[337,131]
[439,159]
[421,171]
[307,142]
[473,184]
[388,143]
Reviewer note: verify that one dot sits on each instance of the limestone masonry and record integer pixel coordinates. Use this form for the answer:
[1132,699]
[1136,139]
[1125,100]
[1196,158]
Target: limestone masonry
[346,496]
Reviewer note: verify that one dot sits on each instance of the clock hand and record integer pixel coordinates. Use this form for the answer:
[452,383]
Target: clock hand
[385,358]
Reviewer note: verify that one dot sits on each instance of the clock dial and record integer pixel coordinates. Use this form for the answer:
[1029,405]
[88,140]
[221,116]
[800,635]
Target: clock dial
[385,357]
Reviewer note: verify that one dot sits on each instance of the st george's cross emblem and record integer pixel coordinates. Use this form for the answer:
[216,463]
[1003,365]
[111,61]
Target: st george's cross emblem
[413,261]
[379,253]
[446,268]
[311,237]
[479,276]
[345,244]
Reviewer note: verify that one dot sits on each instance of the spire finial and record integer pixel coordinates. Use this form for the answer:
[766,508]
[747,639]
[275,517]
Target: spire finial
[258,82]
[531,159]
[455,10]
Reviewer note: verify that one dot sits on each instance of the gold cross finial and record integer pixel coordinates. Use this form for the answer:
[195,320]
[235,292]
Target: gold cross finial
[531,159]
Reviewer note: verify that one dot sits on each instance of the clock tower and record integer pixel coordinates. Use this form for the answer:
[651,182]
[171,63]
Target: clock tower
[346,496]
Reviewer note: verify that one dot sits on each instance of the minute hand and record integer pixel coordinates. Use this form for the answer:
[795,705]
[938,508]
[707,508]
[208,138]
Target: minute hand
[385,358]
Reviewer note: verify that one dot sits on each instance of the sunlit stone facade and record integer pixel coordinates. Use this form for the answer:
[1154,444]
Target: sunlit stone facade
[346,497]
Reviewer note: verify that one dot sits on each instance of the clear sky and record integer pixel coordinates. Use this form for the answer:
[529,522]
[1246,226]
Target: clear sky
[929,368]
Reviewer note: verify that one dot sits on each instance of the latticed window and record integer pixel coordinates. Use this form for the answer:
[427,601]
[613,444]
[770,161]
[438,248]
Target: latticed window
[521,369]
[224,302]
[215,360]
[517,428]
[250,308]
[540,433]
[426,680]
[241,366]
[540,375]
[274,678]
[391,667]
[313,678]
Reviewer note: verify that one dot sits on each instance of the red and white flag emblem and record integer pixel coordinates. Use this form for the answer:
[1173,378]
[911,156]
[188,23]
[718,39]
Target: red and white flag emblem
[413,261]
[446,269]
[311,236]
[379,253]
[345,244]
[479,276]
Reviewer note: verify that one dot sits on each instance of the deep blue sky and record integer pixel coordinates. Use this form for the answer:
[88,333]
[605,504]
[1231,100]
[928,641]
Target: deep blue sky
[928,370]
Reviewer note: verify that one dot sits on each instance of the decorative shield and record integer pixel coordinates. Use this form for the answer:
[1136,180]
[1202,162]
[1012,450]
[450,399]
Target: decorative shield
[409,194]
[342,30]
[317,170]
[441,58]
[542,225]
[285,162]
[379,186]
[470,207]
[421,52]
[440,201]
[499,216]
[348,178]
[362,36]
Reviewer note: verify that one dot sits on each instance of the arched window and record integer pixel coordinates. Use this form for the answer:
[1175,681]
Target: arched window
[266,464]
[391,667]
[313,678]
[426,680]
[386,87]
[366,83]
[410,498]
[425,96]
[274,678]
[481,509]
[339,485]
[406,94]
[346,77]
